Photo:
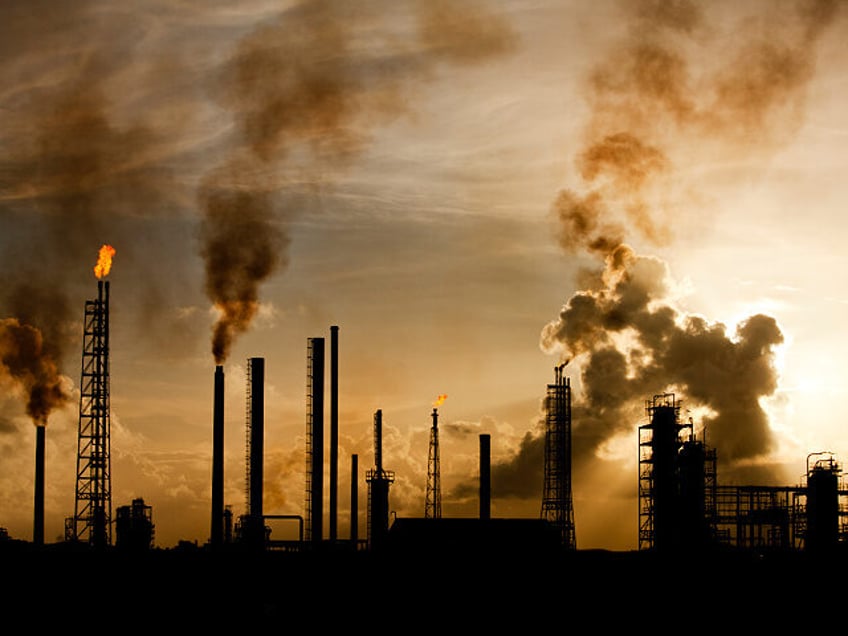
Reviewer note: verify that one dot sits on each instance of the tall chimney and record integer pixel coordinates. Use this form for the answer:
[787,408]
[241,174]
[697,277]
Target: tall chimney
[257,436]
[38,517]
[354,500]
[485,476]
[315,433]
[217,530]
[334,429]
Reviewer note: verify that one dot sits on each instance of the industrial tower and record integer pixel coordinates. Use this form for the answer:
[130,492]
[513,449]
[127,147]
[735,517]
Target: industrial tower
[314,439]
[253,523]
[379,481]
[677,486]
[433,497]
[557,504]
[93,504]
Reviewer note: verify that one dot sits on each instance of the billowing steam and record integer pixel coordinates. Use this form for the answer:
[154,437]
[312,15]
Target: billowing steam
[26,362]
[306,91]
[678,87]
[636,344]
[631,340]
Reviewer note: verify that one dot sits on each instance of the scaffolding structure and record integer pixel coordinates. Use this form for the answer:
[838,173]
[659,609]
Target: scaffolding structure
[92,521]
[557,502]
[433,497]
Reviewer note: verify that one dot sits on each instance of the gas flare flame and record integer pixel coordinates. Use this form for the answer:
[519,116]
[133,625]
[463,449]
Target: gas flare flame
[440,400]
[104,261]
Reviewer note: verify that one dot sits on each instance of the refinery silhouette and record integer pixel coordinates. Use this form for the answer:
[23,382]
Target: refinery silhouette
[750,537]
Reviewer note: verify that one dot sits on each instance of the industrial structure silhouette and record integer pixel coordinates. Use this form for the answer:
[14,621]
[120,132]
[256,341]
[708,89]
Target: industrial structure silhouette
[682,504]
[684,511]
[683,507]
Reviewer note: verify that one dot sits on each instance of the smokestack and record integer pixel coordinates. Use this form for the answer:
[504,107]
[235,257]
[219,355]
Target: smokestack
[354,500]
[217,530]
[256,375]
[38,517]
[485,476]
[334,428]
[315,397]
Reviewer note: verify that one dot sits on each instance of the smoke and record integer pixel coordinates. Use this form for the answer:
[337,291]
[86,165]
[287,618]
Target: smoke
[681,85]
[305,92]
[72,176]
[27,362]
[636,344]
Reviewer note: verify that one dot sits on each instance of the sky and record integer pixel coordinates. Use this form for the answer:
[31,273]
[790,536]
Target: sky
[474,193]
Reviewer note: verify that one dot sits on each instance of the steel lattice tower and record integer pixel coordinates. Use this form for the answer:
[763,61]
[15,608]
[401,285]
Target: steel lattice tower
[557,504]
[314,439]
[433,498]
[93,506]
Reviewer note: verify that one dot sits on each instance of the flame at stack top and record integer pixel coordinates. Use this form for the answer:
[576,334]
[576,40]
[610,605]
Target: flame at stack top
[104,261]
[440,400]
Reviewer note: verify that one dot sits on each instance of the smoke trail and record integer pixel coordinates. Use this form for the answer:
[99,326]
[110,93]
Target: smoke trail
[24,359]
[636,344]
[647,98]
[305,93]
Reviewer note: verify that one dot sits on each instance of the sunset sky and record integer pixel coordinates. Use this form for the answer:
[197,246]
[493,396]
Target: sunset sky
[474,192]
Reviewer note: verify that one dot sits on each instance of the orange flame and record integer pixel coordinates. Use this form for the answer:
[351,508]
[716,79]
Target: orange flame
[440,400]
[104,261]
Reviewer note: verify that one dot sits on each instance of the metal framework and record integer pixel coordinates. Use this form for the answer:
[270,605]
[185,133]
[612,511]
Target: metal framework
[314,438]
[248,437]
[378,481]
[433,498]
[92,522]
[557,502]
[681,504]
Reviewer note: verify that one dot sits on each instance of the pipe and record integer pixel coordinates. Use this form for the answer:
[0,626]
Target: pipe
[354,500]
[217,529]
[334,429]
[257,434]
[38,517]
[316,351]
[485,476]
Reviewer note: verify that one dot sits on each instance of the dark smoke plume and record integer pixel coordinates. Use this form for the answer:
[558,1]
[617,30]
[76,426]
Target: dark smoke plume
[636,344]
[670,82]
[305,93]
[25,361]
[664,92]
[71,176]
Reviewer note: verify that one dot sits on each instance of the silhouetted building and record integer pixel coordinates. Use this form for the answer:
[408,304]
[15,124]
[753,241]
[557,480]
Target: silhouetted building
[822,531]
[134,526]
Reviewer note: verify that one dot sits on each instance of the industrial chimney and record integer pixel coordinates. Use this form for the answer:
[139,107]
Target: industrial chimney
[315,439]
[485,476]
[379,481]
[217,529]
[354,500]
[38,516]
[255,528]
[334,430]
